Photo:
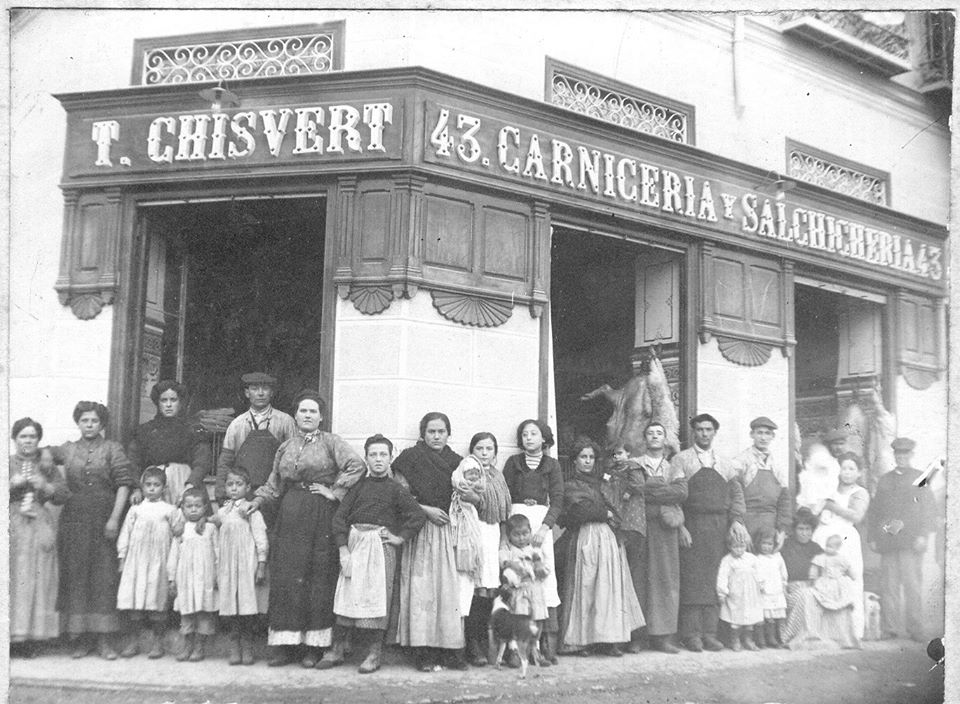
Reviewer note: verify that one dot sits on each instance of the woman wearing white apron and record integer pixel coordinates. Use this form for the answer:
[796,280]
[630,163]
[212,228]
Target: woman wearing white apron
[840,515]
[535,481]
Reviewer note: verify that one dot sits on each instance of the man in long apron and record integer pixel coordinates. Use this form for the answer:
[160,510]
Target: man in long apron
[714,505]
[766,487]
[252,438]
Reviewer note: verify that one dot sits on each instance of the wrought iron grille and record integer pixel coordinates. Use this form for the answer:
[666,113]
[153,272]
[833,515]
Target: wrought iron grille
[641,114]
[891,39]
[228,60]
[838,177]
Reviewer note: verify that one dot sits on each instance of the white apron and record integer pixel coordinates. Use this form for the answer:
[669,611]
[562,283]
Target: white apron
[363,594]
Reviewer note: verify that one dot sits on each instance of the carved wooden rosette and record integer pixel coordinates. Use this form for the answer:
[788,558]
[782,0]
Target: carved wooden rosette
[88,276]
[477,254]
[747,303]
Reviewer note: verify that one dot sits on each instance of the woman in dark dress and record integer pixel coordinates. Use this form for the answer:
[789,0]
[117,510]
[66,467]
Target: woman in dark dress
[170,442]
[430,618]
[311,474]
[99,480]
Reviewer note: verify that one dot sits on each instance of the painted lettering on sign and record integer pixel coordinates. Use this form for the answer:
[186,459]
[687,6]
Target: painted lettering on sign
[206,136]
[475,142]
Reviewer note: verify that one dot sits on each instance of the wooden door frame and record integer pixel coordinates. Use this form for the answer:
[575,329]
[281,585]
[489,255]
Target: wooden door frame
[126,347]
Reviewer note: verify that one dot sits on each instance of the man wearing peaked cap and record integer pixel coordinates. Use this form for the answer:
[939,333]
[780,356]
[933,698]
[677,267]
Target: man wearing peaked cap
[762,422]
[766,488]
[900,519]
[836,442]
[252,438]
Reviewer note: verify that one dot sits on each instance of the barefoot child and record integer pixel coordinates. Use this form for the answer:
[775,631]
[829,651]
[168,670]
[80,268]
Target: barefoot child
[374,519]
[142,548]
[192,568]
[739,593]
[242,566]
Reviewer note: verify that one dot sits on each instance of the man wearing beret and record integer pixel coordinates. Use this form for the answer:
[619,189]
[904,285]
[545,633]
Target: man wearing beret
[252,438]
[714,505]
[766,487]
[900,519]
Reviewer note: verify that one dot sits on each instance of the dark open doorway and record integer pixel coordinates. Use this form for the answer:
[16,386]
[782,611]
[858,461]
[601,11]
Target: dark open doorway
[612,302]
[231,287]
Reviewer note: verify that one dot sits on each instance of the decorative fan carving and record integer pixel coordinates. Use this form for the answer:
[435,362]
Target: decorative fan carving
[86,306]
[919,379]
[744,352]
[471,310]
[371,300]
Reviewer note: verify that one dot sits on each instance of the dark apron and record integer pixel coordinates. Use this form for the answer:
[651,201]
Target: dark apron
[255,456]
[761,497]
[705,512]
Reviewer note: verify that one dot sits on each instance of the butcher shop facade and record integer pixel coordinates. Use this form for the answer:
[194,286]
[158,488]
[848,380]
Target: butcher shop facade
[407,241]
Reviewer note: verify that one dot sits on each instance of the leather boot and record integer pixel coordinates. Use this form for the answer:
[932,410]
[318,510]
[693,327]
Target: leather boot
[759,635]
[156,642]
[334,655]
[748,643]
[549,642]
[246,648]
[132,645]
[773,635]
[105,647]
[198,653]
[235,656]
[188,645]
[372,661]
[82,646]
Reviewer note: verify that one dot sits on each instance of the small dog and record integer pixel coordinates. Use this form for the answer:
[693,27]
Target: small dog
[519,632]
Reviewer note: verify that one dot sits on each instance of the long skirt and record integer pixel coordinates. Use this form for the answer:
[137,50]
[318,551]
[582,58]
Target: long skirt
[489,555]
[663,579]
[600,604]
[430,613]
[34,574]
[364,598]
[88,564]
[852,549]
[304,568]
[810,626]
[536,514]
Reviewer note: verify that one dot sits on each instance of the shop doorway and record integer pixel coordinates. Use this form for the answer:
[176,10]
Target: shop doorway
[839,357]
[232,286]
[614,302]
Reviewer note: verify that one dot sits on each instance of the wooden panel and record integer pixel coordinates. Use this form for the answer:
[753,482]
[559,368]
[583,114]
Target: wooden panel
[91,229]
[928,334]
[505,243]
[765,303]
[448,233]
[658,302]
[374,224]
[861,341]
[729,289]
[156,279]
[909,321]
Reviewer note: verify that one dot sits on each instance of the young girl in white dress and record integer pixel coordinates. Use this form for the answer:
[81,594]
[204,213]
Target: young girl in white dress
[739,593]
[243,566]
[772,575]
[142,547]
[192,567]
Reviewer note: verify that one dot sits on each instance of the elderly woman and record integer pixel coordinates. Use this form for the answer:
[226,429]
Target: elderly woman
[170,442]
[430,615]
[311,474]
[599,604]
[99,480]
[34,482]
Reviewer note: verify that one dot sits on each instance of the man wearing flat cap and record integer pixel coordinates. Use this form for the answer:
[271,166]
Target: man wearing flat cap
[766,487]
[900,519]
[713,507]
[252,438]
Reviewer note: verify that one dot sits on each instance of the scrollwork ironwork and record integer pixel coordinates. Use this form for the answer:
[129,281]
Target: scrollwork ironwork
[619,108]
[837,177]
[257,58]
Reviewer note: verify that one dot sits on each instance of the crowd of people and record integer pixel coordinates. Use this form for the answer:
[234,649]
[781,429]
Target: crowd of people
[616,550]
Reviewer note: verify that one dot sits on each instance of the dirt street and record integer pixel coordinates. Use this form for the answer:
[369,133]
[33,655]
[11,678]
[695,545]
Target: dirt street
[889,672]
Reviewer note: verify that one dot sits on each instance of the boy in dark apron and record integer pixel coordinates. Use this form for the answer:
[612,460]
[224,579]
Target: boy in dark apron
[252,438]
